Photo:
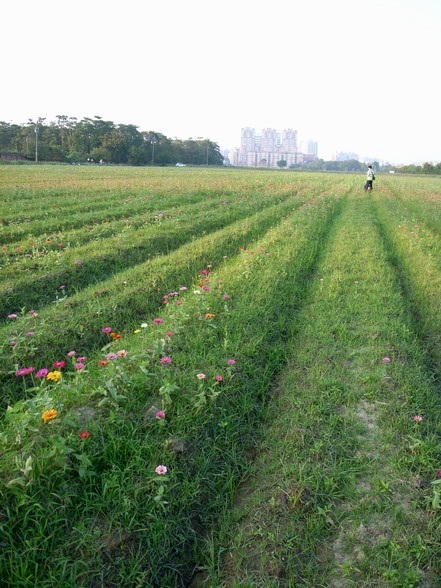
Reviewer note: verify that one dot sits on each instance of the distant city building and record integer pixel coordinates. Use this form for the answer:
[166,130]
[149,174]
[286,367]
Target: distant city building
[270,146]
[343,156]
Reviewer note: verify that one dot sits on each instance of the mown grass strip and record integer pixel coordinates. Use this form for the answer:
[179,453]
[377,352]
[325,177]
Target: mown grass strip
[121,301]
[116,511]
[342,492]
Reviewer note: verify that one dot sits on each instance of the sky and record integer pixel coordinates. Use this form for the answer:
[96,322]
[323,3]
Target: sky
[354,76]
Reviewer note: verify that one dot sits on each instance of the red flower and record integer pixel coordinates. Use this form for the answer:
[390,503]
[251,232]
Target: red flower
[84,435]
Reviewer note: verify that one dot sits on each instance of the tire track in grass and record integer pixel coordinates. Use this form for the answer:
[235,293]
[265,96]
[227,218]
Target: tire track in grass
[341,485]
[415,259]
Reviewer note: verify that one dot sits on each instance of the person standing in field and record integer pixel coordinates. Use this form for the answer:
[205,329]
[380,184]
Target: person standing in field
[370,177]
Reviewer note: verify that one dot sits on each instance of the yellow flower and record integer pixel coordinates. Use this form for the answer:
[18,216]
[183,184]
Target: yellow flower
[137,331]
[54,376]
[49,414]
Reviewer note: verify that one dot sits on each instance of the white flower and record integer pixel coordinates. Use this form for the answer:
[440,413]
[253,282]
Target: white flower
[196,291]
[144,325]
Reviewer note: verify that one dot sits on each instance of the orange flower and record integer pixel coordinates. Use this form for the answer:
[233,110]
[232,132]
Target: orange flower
[49,415]
[115,336]
[209,315]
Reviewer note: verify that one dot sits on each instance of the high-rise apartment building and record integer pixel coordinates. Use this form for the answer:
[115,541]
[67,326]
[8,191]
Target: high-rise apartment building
[265,149]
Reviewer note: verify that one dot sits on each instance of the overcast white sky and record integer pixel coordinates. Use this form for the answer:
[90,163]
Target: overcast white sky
[360,76]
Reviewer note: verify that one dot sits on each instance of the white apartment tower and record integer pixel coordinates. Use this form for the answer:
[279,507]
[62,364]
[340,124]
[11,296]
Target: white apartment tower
[267,148]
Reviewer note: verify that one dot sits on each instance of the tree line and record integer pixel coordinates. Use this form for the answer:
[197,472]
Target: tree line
[94,139]
[353,165]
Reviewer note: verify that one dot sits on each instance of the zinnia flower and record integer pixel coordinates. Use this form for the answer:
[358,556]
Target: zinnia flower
[53,376]
[231,361]
[102,362]
[106,330]
[84,435]
[201,376]
[218,378]
[209,315]
[157,321]
[166,359]
[226,296]
[144,325]
[59,364]
[42,373]
[417,418]
[24,371]
[49,415]
[12,343]
[30,334]
[161,470]
[82,359]
[386,359]
[115,336]
[160,414]
[71,353]
[79,366]
[12,316]
[112,356]
[122,353]
[169,334]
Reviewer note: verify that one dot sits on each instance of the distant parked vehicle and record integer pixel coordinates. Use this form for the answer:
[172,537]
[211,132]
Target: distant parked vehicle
[179,164]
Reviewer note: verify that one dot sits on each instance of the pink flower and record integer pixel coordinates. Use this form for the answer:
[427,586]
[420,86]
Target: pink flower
[201,376]
[12,343]
[438,475]
[169,334]
[12,316]
[417,418]
[71,353]
[122,353]
[218,378]
[59,364]
[82,359]
[102,362]
[160,414]
[33,313]
[226,296]
[79,366]
[106,330]
[111,356]
[182,288]
[24,371]
[30,334]
[157,321]
[161,470]
[206,288]
[386,359]
[178,302]
[62,287]
[84,435]
[42,373]
[231,361]
[166,359]
[203,272]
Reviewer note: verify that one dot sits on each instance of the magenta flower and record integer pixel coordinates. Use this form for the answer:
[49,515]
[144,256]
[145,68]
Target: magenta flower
[106,330]
[24,371]
[42,373]
[161,470]
[12,316]
[59,364]
[157,321]
[160,414]
[30,334]
[203,272]
[218,378]
[206,288]
[231,361]
[201,376]
[386,359]
[169,334]
[82,359]
[112,356]
[226,296]
[79,366]
[417,418]
[71,353]
[166,359]
[438,475]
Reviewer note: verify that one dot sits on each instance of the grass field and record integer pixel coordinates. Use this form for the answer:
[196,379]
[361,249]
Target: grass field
[223,378]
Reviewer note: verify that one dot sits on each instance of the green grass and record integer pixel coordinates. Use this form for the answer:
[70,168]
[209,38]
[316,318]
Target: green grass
[303,465]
